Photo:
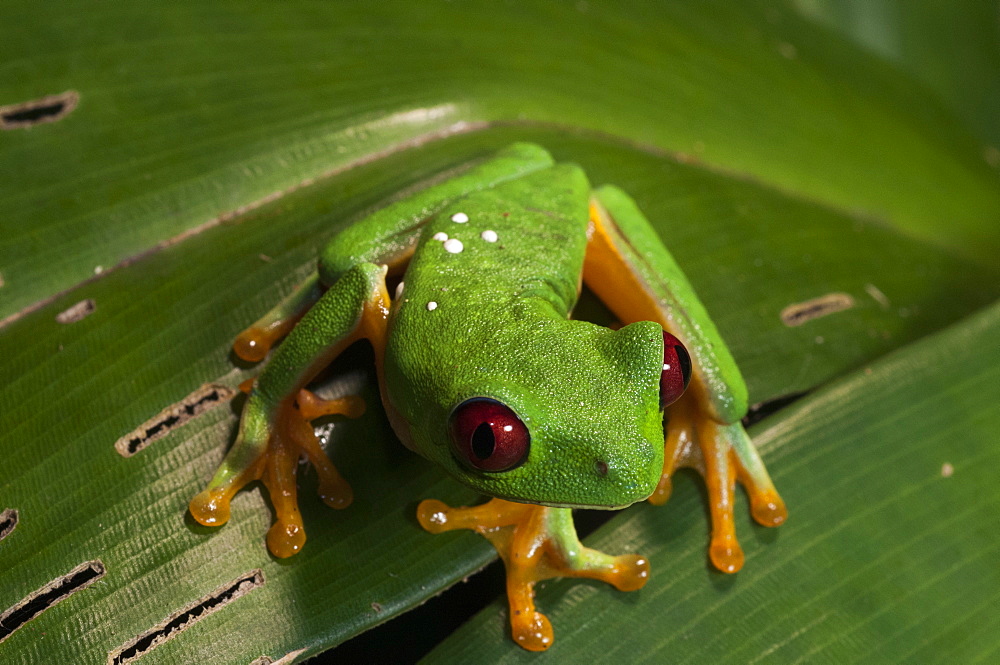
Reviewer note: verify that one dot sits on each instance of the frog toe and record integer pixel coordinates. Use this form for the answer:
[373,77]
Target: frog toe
[274,461]
[723,454]
[726,554]
[286,536]
[532,631]
[767,508]
[254,343]
[536,543]
[210,508]
[630,572]
[433,516]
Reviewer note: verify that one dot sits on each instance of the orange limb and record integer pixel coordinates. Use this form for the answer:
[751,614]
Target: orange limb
[717,452]
[535,543]
[292,437]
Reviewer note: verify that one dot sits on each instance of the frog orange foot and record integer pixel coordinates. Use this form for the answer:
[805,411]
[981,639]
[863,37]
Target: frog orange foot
[536,543]
[275,464]
[723,454]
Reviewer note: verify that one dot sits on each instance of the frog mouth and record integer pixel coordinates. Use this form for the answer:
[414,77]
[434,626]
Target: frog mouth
[603,496]
[594,506]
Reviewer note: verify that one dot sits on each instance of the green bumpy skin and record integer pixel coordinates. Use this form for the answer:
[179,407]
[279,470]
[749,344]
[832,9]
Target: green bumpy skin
[490,260]
[499,328]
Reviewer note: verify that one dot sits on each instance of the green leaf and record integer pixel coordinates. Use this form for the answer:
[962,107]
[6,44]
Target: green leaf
[214,150]
[162,326]
[890,554]
[953,48]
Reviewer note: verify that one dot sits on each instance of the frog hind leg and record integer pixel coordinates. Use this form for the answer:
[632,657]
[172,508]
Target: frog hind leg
[631,271]
[274,428]
[535,543]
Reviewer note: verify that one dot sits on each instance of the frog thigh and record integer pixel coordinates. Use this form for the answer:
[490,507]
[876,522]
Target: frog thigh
[633,273]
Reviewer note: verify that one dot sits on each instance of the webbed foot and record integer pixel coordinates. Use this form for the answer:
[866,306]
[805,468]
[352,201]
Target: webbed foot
[274,462]
[536,543]
[722,454]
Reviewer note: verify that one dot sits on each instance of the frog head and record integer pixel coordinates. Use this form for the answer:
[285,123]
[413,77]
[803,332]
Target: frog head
[564,413]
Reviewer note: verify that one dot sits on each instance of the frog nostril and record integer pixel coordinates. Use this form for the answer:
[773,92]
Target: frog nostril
[601,467]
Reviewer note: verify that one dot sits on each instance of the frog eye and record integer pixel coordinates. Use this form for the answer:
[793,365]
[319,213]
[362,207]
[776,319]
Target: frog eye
[488,435]
[676,370]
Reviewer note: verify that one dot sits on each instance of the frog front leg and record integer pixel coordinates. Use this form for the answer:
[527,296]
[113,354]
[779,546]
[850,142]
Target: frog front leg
[631,271]
[722,454]
[275,429]
[535,543]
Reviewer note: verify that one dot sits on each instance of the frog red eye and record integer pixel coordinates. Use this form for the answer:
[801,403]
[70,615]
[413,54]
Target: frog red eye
[676,370]
[488,435]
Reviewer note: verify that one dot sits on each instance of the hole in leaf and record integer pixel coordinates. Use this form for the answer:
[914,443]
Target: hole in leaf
[8,520]
[798,313]
[37,111]
[207,397]
[77,312]
[185,617]
[54,592]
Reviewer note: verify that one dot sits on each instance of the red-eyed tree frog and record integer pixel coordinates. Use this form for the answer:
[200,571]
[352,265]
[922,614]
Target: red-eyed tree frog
[482,371]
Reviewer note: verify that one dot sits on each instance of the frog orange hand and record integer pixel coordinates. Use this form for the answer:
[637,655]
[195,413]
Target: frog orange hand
[275,430]
[333,489]
[536,543]
[637,278]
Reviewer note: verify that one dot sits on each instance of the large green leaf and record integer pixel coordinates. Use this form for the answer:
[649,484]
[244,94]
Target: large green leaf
[891,554]
[159,331]
[775,175]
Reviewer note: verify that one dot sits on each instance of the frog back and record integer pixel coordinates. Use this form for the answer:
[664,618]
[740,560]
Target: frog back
[521,239]
[488,269]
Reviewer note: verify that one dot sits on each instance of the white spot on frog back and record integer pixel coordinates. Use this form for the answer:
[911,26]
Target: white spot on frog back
[431,306]
[453,245]
[399,290]
[440,236]
[460,218]
[489,235]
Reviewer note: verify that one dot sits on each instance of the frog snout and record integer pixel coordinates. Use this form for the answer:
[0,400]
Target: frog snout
[622,484]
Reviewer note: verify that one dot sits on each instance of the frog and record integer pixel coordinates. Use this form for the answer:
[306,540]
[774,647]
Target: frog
[482,370]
